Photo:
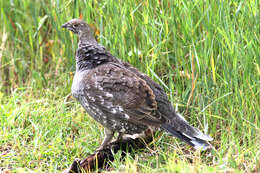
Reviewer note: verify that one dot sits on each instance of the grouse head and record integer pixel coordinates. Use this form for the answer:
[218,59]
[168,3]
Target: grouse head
[78,26]
[82,29]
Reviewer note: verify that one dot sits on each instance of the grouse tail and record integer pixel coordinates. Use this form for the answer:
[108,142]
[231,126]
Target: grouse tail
[180,128]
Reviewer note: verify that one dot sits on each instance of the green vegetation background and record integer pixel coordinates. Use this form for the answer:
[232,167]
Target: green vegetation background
[205,54]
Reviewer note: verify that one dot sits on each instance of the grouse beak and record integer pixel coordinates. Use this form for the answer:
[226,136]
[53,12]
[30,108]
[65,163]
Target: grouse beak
[69,27]
[65,25]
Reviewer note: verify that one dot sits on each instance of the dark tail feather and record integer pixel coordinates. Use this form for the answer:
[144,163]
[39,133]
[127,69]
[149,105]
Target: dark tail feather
[194,141]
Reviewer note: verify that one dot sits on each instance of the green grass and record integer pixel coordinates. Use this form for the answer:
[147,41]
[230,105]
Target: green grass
[205,54]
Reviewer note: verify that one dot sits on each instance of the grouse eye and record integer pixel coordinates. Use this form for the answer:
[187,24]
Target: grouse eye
[75,25]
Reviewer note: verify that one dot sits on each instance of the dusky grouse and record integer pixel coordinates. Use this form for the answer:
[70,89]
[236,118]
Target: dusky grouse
[121,98]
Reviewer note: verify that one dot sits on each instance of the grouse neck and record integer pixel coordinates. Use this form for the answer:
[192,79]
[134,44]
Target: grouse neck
[90,55]
[86,38]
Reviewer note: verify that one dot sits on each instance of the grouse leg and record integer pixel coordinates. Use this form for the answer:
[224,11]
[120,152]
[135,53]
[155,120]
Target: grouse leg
[108,137]
[120,136]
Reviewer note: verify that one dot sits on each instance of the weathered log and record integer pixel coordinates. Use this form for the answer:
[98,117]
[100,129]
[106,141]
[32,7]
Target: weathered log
[101,158]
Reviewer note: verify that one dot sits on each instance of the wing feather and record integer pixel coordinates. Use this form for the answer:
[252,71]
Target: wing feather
[124,94]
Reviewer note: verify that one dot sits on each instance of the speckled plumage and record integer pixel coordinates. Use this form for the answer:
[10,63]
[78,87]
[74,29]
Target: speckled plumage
[120,97]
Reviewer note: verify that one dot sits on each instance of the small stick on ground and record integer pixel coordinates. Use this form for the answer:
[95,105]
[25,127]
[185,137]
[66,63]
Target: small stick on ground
[101,158]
